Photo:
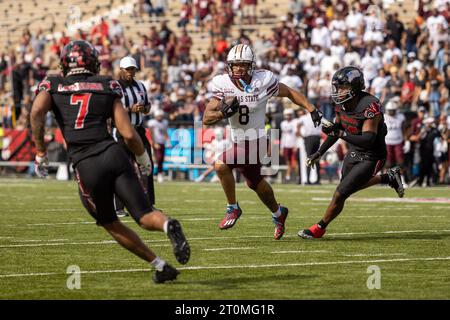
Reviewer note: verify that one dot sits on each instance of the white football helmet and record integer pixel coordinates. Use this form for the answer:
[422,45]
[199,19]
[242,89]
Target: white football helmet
[240,53]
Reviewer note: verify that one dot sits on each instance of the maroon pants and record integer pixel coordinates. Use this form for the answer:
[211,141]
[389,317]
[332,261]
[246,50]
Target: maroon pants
[159,155]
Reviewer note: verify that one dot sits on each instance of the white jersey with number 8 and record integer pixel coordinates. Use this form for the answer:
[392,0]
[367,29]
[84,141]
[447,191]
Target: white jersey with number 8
[249,122]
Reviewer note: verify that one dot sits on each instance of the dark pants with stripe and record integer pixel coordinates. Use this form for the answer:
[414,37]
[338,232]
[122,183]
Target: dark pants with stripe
[147,180]
[108,174]
[357,170]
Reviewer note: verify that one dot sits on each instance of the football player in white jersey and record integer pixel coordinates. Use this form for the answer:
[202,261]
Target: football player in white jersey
[241,97]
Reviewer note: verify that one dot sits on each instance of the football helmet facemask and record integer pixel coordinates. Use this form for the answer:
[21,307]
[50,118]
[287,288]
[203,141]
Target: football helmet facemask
[347,83]
[241,54]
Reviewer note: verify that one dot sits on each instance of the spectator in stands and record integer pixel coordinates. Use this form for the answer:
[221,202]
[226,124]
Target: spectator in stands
[249,11]
[379,83]
[116,29]
[320,34]
[407,93]
[185,14]
[395,29]
[3,70]
[393,86]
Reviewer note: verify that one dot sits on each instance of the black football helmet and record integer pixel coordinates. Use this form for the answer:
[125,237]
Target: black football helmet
[78,57]
[347,83]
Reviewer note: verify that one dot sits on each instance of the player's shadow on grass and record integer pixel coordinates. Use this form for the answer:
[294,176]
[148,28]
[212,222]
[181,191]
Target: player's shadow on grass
[229,283]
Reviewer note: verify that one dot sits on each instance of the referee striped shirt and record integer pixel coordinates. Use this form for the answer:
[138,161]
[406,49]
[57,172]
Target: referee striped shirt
[132,94]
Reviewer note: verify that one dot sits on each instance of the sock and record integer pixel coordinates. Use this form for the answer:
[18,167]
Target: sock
[234,205]
[158,263]
[322,225]
[277,213]
[165,226]
[385,178]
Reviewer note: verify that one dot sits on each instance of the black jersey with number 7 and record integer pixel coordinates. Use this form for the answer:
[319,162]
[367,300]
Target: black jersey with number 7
[81,105]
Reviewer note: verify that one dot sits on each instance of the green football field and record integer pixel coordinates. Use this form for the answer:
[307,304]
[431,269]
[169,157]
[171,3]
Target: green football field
[378,248]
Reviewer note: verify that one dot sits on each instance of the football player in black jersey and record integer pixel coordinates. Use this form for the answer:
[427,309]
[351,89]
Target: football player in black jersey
[82,102]
[359,121]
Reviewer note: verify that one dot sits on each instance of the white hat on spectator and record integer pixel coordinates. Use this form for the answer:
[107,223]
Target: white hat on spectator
[411,54]
[187,77]
[159,113]
[127,62]
[428,120]
[319,21]
[283,18]
[289,111]
[391,105]
[422,109]
[221,65]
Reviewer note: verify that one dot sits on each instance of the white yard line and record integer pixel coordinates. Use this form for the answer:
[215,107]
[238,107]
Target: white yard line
[223,249]
[218,238]
[374,254]
[300,251]
[251,266]
[402,200]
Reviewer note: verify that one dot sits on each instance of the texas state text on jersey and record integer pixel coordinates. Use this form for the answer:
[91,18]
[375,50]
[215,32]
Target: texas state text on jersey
[249,122]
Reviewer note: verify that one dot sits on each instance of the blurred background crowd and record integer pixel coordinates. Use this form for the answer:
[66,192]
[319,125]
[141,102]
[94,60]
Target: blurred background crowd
[401,46]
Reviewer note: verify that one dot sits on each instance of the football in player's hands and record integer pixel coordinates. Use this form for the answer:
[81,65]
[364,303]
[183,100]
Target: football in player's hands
[229,106]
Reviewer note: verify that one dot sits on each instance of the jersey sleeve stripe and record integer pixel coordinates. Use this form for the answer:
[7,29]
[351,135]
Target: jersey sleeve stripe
[275,89]
[273,85]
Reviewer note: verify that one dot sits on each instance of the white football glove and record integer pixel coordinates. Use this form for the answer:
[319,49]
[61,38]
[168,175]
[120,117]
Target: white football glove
[40,166]
[144,164]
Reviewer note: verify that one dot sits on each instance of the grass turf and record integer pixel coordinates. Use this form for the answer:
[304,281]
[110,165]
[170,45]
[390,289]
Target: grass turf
[44,229]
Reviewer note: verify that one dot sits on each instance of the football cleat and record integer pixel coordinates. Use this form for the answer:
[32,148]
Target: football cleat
[314,232]
[168,273]
[280,223]
[395,181]
[230,218]
[121,213]
[181,248]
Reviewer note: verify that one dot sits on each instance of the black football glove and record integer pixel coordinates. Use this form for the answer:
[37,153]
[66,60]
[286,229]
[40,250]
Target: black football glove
[330,128]
[316,116]
[313,159]
[230,108]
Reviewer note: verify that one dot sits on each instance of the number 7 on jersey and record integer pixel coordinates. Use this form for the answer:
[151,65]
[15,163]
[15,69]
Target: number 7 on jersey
[82,101]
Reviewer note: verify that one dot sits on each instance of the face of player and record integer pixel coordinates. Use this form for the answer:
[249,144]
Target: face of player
[128,74]
[340,93]
[239,71]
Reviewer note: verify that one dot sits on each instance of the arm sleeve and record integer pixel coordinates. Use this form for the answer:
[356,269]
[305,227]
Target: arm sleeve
[327,144]
[365,140]
[216,89]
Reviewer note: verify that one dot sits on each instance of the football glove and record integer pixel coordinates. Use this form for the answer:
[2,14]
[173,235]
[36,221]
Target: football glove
[40,166]
[144,164]
[230,108]
[313,159]
[316,116]
[330,128]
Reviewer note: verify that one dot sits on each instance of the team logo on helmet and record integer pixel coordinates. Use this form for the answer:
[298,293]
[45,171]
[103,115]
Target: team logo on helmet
[347,82]
[78,57]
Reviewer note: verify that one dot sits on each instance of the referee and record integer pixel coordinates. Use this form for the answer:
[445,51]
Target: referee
[135,100]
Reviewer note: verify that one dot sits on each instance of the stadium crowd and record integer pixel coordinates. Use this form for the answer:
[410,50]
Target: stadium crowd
[406,65]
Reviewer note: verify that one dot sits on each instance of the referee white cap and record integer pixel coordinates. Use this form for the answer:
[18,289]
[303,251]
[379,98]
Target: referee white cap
[127,62]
